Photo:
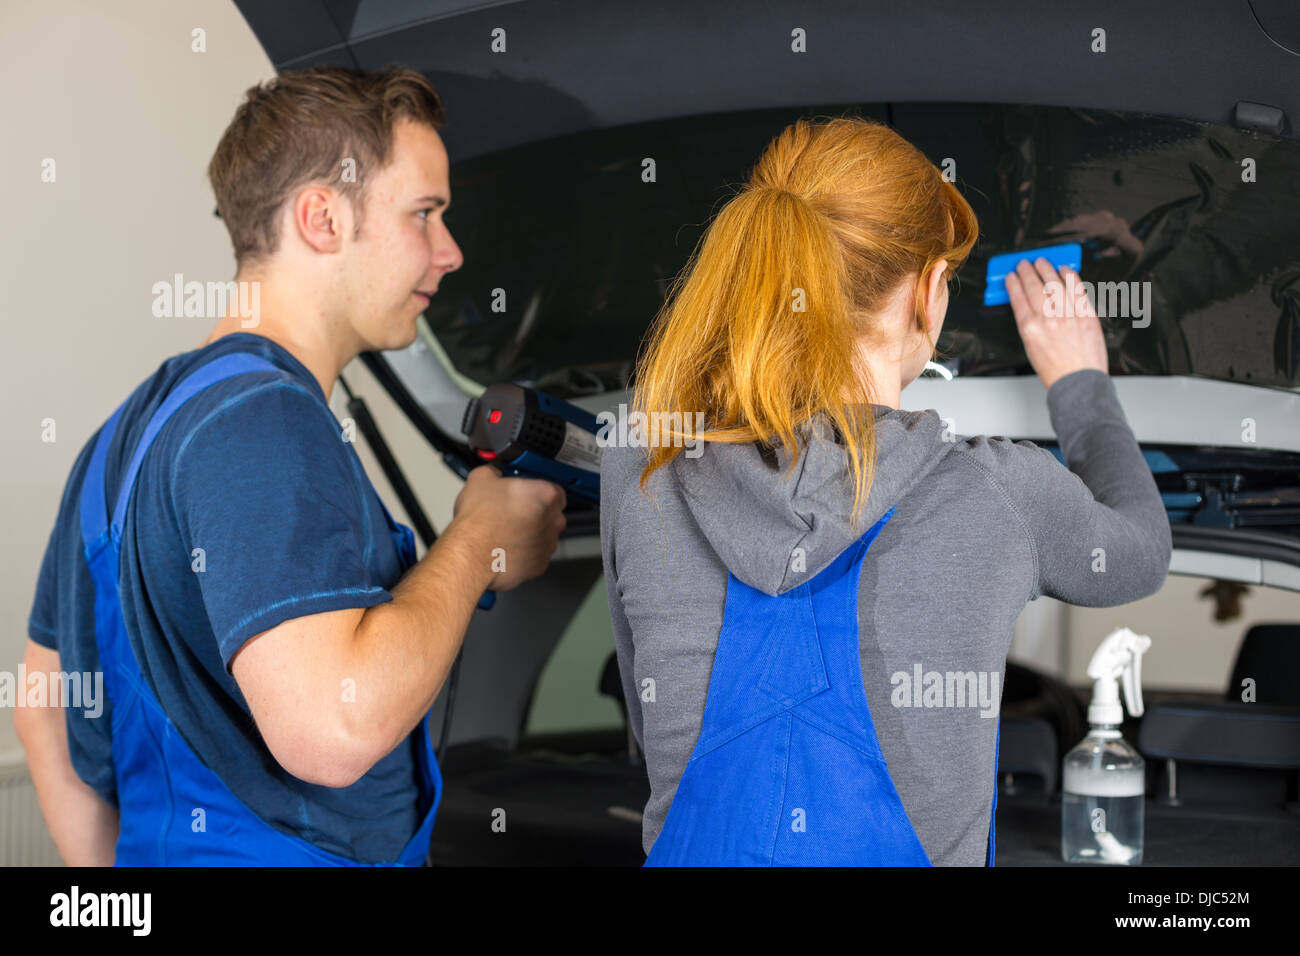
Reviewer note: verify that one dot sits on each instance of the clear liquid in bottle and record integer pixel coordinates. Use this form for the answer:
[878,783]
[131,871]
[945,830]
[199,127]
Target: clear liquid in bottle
[1102,802]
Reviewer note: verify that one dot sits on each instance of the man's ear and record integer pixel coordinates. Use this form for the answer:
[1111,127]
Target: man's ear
[319,218]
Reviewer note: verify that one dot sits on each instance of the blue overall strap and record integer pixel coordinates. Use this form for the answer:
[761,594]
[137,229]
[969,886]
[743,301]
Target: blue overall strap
[236,363]
[997,742]
[173,808]
[94,516]
[787,769]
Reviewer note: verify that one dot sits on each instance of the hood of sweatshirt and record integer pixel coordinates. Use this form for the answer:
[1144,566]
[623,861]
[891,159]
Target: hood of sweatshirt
[754,515]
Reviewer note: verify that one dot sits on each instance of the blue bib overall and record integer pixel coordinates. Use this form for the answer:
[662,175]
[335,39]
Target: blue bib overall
[174,811]
[787,770]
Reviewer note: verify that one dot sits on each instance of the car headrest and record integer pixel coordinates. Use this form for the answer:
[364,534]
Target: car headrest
[1222,732]
[1270,656]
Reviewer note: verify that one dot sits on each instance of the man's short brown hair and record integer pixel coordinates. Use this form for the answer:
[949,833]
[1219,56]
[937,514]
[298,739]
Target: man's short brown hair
[302,127]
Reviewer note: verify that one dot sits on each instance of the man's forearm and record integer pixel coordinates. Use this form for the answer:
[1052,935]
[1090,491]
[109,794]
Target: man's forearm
[83,826]
[404,648]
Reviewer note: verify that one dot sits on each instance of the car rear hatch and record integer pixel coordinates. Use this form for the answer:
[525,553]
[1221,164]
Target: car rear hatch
[1179,183]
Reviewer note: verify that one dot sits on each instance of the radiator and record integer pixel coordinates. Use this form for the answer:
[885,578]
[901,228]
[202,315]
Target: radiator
[24,839]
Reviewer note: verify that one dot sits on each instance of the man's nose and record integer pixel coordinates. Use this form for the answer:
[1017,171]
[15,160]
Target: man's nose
[446,254]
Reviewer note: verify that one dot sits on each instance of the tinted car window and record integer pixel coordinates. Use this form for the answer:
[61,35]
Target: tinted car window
[569,252]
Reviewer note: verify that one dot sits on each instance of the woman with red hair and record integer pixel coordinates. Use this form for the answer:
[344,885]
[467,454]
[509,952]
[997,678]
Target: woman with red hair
[812,616]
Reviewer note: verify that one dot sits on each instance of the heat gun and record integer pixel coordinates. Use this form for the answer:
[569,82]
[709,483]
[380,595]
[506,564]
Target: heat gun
[529,434]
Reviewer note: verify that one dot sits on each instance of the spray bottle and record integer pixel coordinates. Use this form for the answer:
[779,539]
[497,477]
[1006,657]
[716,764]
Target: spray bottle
[1104,778]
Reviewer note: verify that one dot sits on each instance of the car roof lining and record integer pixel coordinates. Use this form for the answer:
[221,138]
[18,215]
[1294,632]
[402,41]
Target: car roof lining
[690,59]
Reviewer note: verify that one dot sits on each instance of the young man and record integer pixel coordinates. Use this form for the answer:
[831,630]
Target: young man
[269,647]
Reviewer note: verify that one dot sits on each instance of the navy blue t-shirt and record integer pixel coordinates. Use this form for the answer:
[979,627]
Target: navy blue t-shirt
[254,470]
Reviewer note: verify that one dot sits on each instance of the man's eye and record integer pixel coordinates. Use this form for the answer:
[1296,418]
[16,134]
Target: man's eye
[425,212]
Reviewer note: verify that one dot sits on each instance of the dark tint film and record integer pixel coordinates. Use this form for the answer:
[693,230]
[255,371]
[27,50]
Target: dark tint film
[1190,236]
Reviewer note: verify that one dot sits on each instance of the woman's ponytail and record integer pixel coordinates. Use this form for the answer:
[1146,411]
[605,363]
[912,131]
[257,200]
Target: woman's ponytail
[760,333]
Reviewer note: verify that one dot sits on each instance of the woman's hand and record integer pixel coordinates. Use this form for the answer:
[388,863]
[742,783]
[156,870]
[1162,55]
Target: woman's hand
[1057,323]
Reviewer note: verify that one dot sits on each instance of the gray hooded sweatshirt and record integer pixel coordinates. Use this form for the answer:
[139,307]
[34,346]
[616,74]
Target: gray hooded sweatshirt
[982,526]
